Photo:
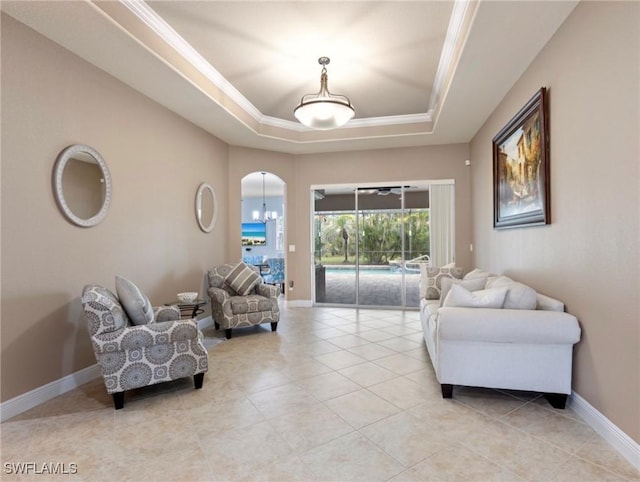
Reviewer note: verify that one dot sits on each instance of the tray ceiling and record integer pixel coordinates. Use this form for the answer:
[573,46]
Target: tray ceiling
[417,72]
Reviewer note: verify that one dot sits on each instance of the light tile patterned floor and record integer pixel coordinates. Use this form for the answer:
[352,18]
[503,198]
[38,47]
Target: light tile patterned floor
[335,395]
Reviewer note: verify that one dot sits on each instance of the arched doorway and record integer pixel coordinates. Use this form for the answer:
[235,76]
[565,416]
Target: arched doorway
[263,224]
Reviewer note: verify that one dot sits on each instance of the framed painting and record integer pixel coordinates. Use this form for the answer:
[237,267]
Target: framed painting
[254,234]
[521,167]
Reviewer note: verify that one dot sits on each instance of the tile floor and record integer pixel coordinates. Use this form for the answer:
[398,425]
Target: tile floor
[335,395]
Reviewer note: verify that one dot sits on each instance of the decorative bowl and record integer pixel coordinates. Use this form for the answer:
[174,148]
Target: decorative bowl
[188,297]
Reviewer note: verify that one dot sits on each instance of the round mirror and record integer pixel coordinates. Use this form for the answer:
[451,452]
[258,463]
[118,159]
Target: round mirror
[206,212]
[82,185]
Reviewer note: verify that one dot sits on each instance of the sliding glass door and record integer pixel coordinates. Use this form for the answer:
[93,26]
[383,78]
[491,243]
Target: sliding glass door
[416,241]
[334,256]
[380,247]
[369,244]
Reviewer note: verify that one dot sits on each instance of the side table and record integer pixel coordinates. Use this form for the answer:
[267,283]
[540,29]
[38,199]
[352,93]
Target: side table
[189,310]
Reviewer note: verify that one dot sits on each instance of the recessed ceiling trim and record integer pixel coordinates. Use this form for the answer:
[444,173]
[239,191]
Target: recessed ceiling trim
[389,120]
[483,39]
[457,32]
[161,28]
[283,123]
[156,23]
[353,123]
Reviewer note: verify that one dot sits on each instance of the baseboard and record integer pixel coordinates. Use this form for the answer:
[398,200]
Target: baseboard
[42,394]
[298,304]
[39,395]
[625,445]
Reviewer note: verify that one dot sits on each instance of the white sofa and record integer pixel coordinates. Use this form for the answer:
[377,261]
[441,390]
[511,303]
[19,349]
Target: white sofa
[519,349]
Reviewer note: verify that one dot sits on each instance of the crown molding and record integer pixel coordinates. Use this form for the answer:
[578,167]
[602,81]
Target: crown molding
[161,28]
[457,32]
[452,46]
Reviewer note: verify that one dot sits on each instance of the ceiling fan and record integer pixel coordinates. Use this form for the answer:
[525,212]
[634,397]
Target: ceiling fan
[384,190]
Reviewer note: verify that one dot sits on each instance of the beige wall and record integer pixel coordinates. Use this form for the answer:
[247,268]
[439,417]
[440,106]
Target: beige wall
[51,99]
[588,256]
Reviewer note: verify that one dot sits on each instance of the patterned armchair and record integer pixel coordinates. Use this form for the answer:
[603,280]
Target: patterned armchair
[242,301]
[276,272]
[132,356]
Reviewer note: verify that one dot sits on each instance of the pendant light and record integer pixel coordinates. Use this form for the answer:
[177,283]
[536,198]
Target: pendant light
[265,215]
[324,110]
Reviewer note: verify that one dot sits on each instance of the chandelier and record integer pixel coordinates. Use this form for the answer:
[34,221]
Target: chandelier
[324,110]
[265,215]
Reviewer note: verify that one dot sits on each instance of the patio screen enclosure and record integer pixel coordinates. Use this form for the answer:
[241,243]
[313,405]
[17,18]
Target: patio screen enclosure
[369,243]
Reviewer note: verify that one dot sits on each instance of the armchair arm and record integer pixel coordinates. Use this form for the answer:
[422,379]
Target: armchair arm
[141,336]
[218,295]
[166,313]
[268,291]
[221,298]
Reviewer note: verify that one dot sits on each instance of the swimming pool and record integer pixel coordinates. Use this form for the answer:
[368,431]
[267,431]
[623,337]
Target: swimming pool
[349,269]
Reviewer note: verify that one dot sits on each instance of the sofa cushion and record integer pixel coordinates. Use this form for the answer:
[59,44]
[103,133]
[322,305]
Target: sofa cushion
[473,284]
[249,304]
[431,279]
[519,296]
[461,297]
[242,279]
[134,302]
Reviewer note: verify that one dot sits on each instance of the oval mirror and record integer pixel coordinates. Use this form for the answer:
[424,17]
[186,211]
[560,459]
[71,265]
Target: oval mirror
[206,207]
[82,185]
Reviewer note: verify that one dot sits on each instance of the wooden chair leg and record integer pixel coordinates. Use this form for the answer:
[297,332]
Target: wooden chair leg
[198,379]
[118,400]
[227,333]
[274,326]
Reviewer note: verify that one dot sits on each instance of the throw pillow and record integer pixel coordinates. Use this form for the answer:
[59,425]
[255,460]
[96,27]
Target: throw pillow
[519,296]
[135,303]
[477,273]
[431,279]
[549,304]
[461,297]
[242,279]
[473,284]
